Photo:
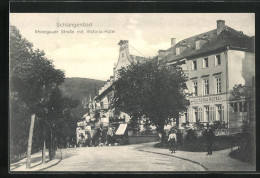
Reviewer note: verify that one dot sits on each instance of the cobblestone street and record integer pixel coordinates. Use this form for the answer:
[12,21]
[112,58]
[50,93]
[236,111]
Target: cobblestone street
[120,158]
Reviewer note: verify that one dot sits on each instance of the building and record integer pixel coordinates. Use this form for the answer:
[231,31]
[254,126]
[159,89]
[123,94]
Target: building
[105,93]
[215,62]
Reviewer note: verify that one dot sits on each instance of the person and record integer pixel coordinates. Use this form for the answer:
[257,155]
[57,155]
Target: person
[88,138]
[103,137]
[96,139]
[209,136]
[172,140]
[109,136]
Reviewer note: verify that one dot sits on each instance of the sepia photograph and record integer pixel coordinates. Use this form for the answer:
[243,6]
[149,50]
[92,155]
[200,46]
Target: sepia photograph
[132,92]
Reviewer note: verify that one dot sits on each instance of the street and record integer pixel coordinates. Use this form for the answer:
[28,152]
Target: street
[120,158]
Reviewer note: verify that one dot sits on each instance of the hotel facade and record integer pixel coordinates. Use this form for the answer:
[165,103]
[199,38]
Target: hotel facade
[214,62]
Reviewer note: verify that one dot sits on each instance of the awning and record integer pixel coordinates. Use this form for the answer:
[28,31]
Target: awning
[121,129]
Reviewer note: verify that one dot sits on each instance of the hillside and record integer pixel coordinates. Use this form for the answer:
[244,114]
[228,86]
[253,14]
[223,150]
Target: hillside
[80,88]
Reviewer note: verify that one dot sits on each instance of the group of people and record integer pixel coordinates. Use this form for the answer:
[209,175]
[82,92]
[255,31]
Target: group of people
[208,137]
[100,138]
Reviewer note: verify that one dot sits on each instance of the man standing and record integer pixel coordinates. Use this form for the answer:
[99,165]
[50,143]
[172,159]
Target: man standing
[209,136]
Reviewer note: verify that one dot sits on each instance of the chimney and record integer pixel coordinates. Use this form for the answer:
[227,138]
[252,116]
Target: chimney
[173,41]
[122,42]
[220,26]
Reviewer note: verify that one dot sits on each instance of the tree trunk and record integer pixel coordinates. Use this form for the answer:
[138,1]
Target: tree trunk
[44,145]
[29,148]
[160,128]
[177,122]
[163,136]
[50,147]
[54,147]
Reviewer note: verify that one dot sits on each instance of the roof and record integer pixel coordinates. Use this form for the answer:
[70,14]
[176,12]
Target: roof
[228,37]
[137,59]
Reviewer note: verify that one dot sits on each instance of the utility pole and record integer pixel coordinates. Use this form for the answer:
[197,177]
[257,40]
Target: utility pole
[29,148]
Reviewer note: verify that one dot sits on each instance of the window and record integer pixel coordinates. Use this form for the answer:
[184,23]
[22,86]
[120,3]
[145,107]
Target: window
[206,113]
[186,116]
[211,113]
[240,107]
[218,85]
[122,54]
[195,110]
[194,65]
[205,87]
[205,62]
[245,106]
[177,51]
[195,88]
[219,113]
[217,60]
[197,46]
[200,114]
[235,107]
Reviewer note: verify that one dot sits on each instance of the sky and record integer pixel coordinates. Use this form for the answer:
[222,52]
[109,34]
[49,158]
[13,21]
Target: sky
[93,55]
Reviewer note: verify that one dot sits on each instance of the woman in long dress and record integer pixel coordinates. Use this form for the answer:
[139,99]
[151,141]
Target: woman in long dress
[172,142]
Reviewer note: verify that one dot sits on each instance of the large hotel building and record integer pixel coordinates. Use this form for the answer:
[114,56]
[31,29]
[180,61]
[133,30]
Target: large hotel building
[215,62]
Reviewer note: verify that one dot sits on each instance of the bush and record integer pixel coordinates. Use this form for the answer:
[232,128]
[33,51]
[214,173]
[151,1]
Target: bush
[192,140]
[246,150]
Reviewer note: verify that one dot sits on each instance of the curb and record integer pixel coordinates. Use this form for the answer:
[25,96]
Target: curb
[53,164]
[206,169]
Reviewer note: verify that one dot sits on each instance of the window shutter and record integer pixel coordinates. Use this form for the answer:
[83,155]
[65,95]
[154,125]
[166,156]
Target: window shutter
[200,114]
[222,113]
[199,118]
[191,114]
[188,114]
[214,112]
[203,114]
[210,114]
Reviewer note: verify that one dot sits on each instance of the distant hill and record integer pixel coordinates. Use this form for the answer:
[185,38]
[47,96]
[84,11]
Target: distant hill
[80,88]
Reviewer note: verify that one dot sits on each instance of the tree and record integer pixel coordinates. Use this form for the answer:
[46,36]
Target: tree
[247,135]
[134,124]
[60,122]
[153,90]
[32,79]
[238,91]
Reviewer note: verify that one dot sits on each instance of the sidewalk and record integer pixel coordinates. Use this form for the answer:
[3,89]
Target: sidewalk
[36,162]
[218,161]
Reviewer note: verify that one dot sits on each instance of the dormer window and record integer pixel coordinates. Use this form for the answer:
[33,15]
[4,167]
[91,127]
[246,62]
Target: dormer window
[205,36]
[197,45]
[177,51]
